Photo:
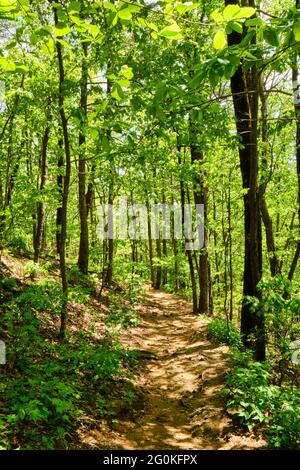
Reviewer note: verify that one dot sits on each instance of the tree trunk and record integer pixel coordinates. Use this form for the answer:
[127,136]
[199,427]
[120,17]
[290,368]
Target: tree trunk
[296,90]
[66,185]
[266,218]
[201,198]
[59,181]
[110,243]
[244,86]
[150,242]
[83,257]
[188,252]
[40,225]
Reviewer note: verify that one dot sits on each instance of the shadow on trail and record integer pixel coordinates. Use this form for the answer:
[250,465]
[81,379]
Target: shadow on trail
[180,374]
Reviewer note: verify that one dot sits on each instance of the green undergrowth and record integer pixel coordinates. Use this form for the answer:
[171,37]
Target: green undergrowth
[265,397]
[47,385]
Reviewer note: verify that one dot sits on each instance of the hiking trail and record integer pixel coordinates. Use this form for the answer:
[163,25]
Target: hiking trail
[180,373]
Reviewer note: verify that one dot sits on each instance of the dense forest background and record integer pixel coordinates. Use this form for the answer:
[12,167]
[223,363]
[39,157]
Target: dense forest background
[160,103]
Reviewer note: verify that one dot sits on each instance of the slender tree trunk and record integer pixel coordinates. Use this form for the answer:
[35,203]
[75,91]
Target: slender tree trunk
[150,242]
[83,257]
[244,86]
[225,243]
[296,90]
[59,182]
[175,249]
[229,215]
[266,218]
[110,242]
[201,198]
[66,185]
[188,252]
[11,167]
[158,271]
[164,251]
[216,257]
[40,225]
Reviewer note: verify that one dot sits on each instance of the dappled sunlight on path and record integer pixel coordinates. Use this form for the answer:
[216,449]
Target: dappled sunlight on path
[180,373]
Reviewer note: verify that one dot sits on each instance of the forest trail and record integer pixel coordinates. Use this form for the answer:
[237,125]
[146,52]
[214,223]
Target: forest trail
[180,373]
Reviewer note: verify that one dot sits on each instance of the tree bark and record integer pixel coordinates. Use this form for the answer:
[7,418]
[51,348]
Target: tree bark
[188,252]
[201,198]
[40,225]
[83,257]
[244,86]
[296,90]
[266,218]
[66,185]
[59,182]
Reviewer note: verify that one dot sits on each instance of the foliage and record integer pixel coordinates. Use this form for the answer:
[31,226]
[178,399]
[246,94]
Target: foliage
[226,333]
[280,305]
[54,382]
[253,399]
[123,315]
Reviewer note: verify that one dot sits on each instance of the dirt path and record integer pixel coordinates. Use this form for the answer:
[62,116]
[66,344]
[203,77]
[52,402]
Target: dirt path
[180,373]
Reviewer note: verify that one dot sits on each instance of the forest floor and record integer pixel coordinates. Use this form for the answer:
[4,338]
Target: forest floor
[179,375]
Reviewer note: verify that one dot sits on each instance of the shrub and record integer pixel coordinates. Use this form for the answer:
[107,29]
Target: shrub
[226,333]
[253,399]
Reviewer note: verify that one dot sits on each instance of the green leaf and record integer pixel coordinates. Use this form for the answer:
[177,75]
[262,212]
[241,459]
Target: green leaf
[296,31]
[94,30]
[64,43]
[245,12]
[109,6]
[125,14]
[61,29]
[230,12]
[220,40]
[94,133]
[123,82]
[8,5]
[213,77]
[117,92]
[172,31]
[7,65]
[271,36]
[127,73]
[217,16]
[74,7]
[183,8]
[254,22]
[236,27]
[152,26]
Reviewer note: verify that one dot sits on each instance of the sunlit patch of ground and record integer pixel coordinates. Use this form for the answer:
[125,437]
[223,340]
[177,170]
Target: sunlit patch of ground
[180,374]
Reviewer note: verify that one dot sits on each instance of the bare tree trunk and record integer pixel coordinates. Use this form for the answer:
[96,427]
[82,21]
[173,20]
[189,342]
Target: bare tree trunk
[230,250]
[83,257]
[59,181]
[188,252]
[244,87]
[266,218]
[66,185]
[110,241]
[175,249]
[40,226]
[296,90]
[201,198]
[11,167]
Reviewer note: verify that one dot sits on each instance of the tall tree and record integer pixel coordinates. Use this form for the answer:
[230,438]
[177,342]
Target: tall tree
[245,91]
[83,257]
